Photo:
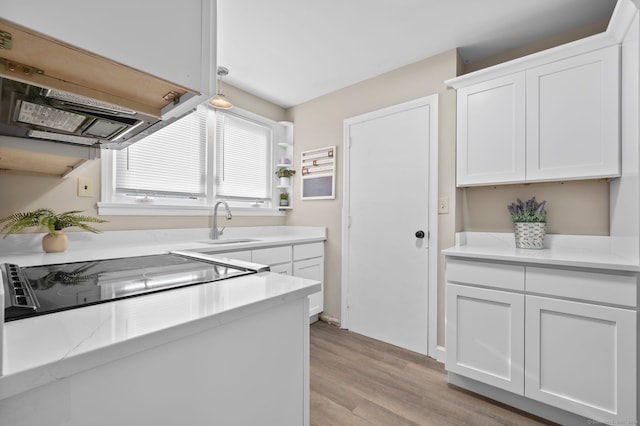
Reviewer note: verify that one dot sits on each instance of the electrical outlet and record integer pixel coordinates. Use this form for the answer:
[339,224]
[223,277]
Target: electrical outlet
[443,205]
[85,187]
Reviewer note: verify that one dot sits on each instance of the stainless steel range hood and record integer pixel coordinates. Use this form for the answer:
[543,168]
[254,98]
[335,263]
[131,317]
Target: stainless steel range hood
[75,97]
[59,105]
[30,111]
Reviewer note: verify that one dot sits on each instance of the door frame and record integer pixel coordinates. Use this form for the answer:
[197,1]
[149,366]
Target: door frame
[432,239]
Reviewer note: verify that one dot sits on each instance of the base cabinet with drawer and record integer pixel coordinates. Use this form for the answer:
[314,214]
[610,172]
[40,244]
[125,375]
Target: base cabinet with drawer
[278,258]
[562,337]
[300,260]
[308,262]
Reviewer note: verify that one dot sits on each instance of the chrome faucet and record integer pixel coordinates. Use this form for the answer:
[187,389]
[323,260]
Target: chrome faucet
[215,232]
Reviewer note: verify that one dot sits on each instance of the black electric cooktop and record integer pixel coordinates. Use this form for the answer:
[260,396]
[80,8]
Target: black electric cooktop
[38,290]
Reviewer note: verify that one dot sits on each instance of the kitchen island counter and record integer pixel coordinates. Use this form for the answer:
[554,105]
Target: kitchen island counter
[228,341]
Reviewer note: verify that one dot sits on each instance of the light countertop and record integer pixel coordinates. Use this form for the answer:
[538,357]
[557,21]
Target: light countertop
[42,349]
[607,253]
[26,249]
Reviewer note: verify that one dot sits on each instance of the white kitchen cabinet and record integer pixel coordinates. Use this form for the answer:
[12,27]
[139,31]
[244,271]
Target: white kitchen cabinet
[581,342]
[573,117]
[278,258]
[491,131]
[582,358]
[284,268]
[564,337]
[300,260]
[308,262]
[244,255]
[171,41]
[484,336]
[552,121]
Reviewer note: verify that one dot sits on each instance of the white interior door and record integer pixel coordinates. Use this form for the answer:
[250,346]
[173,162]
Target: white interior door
[385,259]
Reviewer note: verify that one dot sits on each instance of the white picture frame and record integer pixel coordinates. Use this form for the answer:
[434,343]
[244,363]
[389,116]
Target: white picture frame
[318,174]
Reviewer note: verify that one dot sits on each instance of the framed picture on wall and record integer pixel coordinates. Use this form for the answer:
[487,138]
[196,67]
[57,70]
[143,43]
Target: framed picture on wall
[318,174]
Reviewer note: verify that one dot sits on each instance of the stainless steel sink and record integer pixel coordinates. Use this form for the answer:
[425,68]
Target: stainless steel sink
[229,241]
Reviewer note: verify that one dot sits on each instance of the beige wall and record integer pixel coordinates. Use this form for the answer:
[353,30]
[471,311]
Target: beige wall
[21,193]
[543,44]
[319,123]
[574,207]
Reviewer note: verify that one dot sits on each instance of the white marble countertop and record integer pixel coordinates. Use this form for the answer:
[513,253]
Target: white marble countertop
[42,349]
[613,254]
[26,249]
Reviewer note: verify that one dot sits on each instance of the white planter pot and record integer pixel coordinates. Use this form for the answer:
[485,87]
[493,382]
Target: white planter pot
[285,181]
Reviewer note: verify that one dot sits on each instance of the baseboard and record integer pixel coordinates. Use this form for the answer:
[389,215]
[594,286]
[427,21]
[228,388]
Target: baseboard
[330,320]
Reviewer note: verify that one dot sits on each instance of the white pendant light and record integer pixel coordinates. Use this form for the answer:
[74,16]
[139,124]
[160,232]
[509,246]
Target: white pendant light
[220,100]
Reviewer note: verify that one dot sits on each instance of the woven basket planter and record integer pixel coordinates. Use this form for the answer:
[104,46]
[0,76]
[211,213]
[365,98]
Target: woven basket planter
[530,235]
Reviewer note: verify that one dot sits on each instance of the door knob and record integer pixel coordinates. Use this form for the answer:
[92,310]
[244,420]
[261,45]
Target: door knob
[419,234]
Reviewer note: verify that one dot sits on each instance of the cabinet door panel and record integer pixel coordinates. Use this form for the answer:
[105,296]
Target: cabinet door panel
[484,336]
[491,132]
[572,117]
[312,269]
[581,358]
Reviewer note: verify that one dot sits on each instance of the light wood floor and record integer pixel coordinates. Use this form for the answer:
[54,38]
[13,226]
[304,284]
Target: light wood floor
[360,381]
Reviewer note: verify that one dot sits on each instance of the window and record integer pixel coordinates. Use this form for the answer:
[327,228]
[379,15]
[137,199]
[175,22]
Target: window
[156,167]
[184,168]
[243,159]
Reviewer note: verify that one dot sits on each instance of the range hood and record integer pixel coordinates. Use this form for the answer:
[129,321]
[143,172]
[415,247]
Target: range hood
[30,111]
[71,96]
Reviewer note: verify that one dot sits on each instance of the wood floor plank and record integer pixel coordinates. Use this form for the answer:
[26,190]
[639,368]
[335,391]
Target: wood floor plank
[361,381]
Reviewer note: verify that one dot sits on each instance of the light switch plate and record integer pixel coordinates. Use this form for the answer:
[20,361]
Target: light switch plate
[443,205]
[85,187]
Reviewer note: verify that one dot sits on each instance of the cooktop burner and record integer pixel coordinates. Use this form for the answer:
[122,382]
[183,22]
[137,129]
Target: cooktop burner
[37,290]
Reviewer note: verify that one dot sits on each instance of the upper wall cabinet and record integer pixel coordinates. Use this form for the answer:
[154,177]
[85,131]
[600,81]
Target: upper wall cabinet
[554,121]
[491,131]
[138,53]
[573,117]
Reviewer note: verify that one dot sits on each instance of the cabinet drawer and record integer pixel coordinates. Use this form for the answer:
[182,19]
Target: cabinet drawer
[244,255]
[498,275]
[590,286]
[272,255]
[307,251]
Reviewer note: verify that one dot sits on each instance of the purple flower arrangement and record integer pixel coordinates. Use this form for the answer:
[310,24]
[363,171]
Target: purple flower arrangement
[530,211]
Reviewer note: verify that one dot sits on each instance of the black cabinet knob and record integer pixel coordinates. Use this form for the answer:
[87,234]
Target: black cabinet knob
[419,234]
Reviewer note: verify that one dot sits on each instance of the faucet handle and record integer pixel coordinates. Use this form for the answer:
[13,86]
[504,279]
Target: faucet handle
[221,231]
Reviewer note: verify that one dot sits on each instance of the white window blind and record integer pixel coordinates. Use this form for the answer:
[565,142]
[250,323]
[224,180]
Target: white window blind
[171,161]
[243,158]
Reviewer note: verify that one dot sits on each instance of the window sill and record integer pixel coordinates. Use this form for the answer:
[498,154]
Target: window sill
[125,209]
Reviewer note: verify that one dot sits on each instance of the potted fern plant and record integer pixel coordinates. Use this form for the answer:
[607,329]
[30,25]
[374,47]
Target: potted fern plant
[55,240]
[529,222]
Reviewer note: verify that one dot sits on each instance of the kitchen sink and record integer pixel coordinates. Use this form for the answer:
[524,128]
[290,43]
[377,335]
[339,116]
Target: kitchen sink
[229,241]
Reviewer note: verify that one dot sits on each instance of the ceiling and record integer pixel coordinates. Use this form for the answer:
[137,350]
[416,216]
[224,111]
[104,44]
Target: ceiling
[291,51]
